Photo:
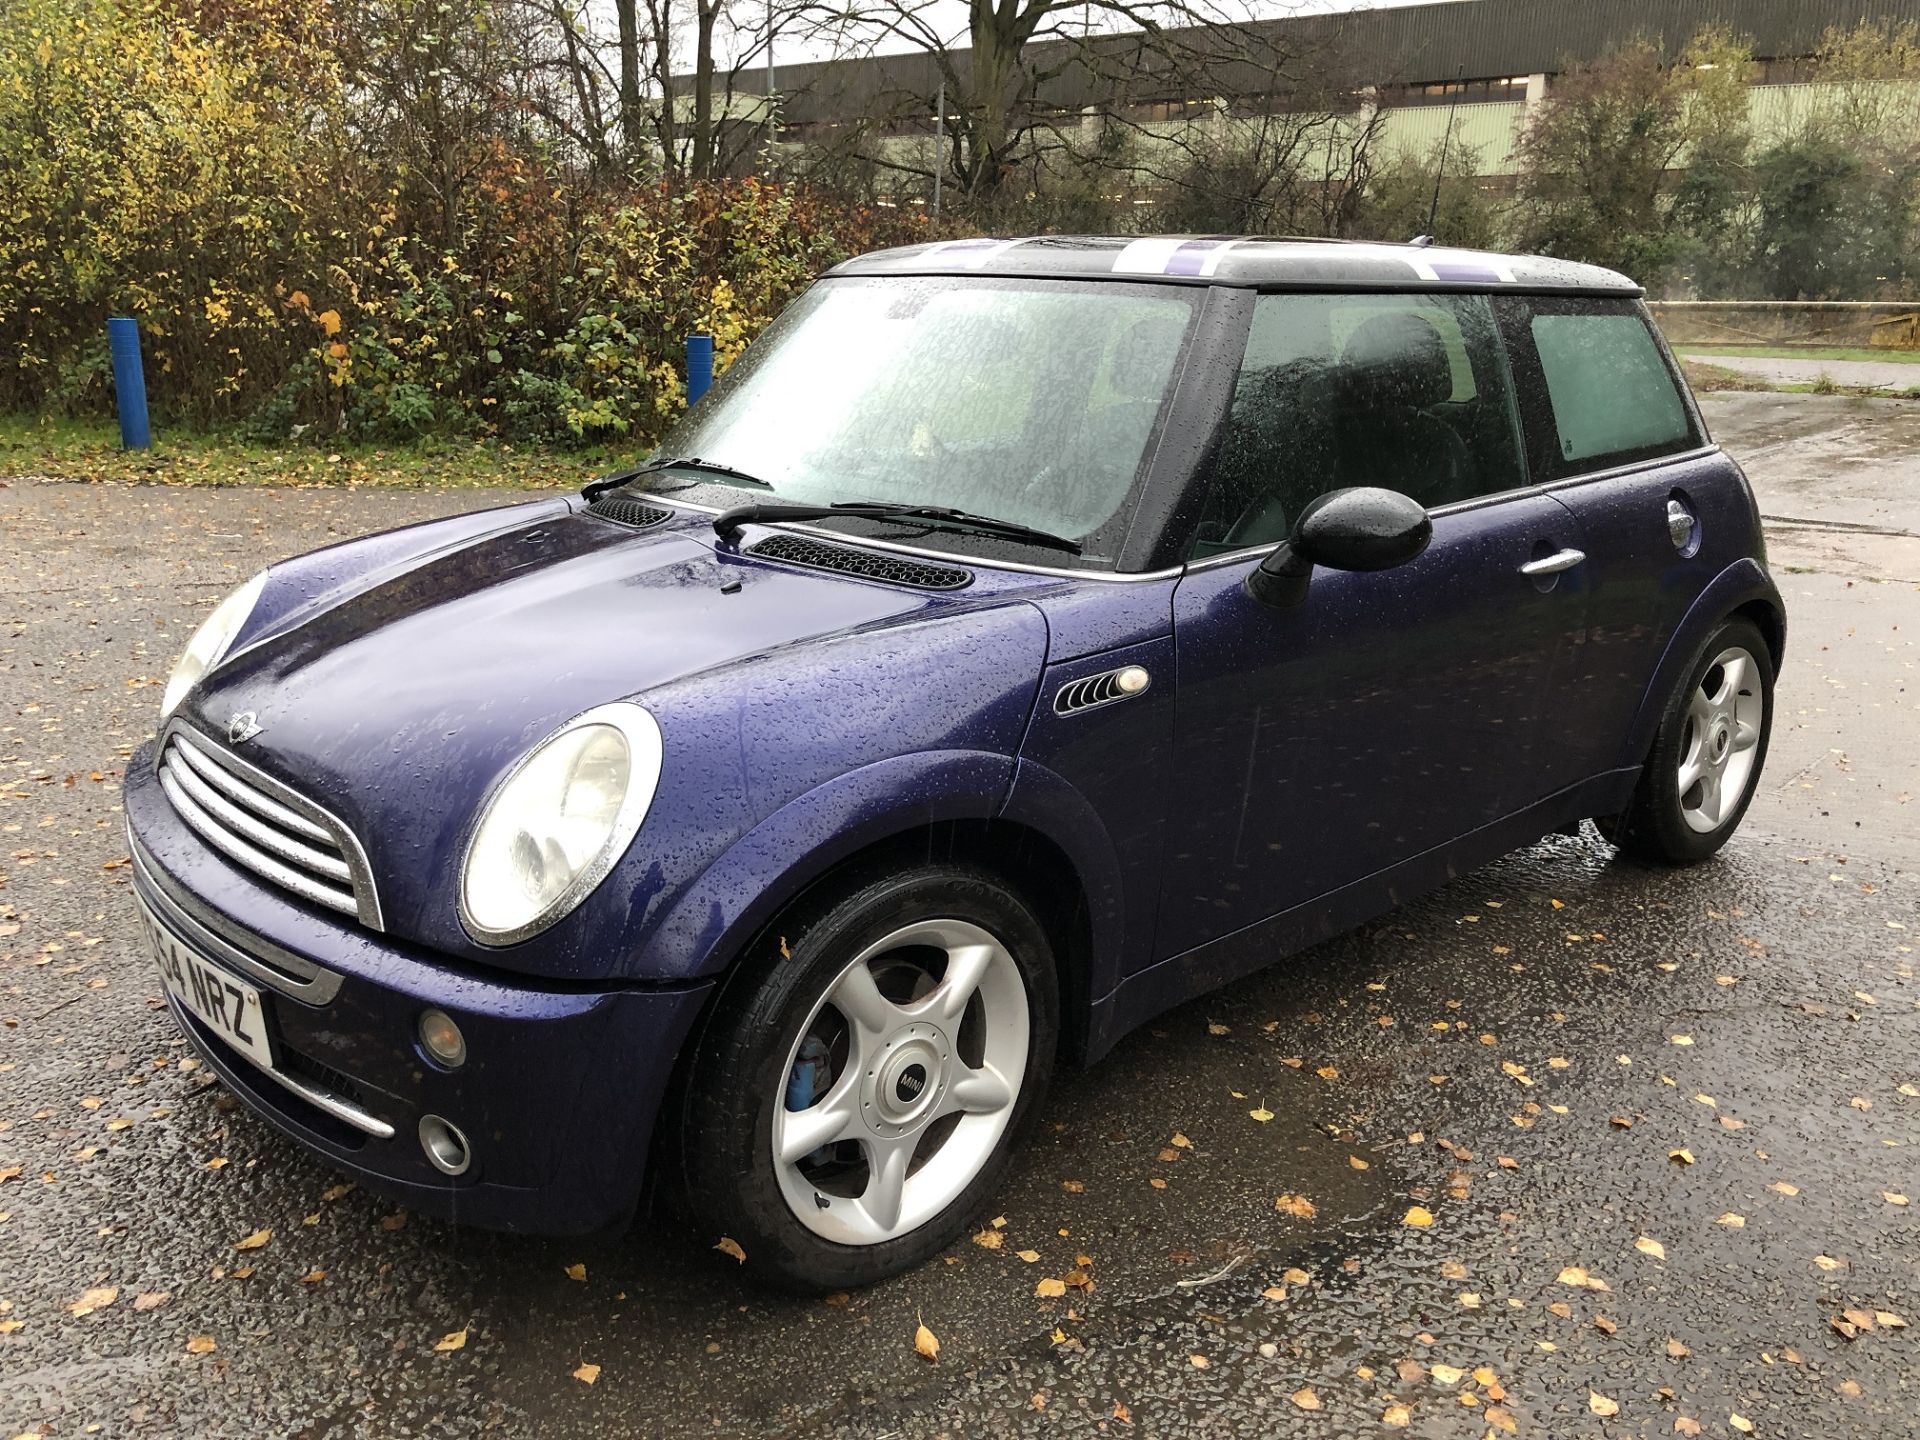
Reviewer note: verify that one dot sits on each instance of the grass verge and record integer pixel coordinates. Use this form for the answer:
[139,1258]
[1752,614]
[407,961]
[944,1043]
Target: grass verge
[89,450]
[1809,352]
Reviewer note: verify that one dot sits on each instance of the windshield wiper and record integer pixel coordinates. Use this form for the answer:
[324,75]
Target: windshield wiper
[941,517]
[690,462]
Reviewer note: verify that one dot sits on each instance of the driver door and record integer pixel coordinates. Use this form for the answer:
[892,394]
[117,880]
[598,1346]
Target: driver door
[1389,712]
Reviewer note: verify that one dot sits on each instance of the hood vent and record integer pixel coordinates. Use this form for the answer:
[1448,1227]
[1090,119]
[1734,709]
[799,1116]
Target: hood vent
[625,510]
[872,564]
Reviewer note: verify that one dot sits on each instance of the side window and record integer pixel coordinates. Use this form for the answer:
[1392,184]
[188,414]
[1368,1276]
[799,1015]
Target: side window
[1409,392]
[1607,396]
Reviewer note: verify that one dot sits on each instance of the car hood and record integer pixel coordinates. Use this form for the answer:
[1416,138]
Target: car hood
[399,706]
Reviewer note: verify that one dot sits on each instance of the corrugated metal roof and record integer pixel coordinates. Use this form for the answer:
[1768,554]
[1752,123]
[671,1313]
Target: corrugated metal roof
[1524,37]
[1404,45]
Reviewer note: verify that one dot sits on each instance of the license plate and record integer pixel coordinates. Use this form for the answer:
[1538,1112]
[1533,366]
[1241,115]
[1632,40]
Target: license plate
[224,1003]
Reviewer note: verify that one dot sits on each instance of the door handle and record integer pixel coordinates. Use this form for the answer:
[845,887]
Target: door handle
[1553,564]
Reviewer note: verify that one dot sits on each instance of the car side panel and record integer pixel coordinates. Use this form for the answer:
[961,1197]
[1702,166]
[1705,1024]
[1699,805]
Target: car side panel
[1199,971]
[1641,586]
[1103,771]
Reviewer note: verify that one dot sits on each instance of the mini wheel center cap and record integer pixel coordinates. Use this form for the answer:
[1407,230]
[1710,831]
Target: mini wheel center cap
[909,1083]
[904,1087]
[1720,740]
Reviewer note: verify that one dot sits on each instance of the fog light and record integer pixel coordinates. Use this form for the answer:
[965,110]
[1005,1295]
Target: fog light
[446,1147]
[442,1039]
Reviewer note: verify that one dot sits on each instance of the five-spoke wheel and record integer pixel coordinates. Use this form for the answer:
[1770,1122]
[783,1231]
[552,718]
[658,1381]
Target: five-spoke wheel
[902,1081]
[867,1072]
[1724,716]
[1706,756]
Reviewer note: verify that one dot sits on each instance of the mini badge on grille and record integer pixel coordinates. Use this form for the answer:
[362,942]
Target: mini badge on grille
[243,727]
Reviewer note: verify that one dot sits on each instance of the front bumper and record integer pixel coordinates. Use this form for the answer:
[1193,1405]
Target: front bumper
[558,1094]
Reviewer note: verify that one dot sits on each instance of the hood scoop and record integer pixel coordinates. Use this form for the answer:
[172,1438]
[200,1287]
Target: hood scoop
[895,569]
[626,510]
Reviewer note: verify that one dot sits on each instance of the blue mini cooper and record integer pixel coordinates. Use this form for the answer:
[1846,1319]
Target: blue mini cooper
[1023,637]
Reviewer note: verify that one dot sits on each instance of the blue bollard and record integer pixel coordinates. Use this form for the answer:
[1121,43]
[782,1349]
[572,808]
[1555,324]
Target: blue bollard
[129,382]
[699,366]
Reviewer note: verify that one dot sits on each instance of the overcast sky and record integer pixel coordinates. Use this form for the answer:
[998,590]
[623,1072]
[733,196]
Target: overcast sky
[950,16]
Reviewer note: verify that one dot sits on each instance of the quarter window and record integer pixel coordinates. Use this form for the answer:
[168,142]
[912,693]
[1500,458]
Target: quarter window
[1611,397]
[1409,392]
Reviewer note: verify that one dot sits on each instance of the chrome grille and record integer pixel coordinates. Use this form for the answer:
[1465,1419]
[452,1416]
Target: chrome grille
[260,824]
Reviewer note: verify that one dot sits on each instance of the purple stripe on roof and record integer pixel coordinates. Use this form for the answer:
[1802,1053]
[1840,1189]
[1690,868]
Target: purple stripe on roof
[1188,259]
[1445,271]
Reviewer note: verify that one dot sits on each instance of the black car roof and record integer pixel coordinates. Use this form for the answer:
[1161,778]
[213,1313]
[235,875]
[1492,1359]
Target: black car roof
[1251,260]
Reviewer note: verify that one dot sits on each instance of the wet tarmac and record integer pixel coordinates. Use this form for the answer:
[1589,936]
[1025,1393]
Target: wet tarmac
[1574,1147]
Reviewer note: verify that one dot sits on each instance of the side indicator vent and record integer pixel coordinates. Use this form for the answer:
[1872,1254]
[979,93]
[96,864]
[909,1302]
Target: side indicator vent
[1092,691]
[625,510]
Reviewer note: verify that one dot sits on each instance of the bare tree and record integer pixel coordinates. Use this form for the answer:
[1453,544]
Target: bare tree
[1017,82]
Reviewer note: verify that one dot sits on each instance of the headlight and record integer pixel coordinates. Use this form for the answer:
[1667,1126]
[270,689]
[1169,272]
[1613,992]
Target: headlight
[209,643]
[557,823]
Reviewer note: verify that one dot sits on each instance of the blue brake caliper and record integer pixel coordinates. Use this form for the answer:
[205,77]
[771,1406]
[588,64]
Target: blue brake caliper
[811,1076]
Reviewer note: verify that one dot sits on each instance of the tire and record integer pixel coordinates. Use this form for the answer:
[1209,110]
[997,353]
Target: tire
[1716,728]
[900,1067]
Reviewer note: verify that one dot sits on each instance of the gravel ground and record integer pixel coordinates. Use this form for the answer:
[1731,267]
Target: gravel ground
[1661,1123]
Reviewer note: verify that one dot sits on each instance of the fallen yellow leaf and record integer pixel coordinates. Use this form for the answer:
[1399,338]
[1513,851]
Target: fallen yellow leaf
[254,1241]
[1419,1217]
[201,1345]
[1397,1417]
[1601,1405]
[1305,1398]
[587,1374]
[455,1340]
[97,1298]
[1050,1288]
[1646,1245]
[926,1343]
[727,1246]
[1298,1206]
[576,1271]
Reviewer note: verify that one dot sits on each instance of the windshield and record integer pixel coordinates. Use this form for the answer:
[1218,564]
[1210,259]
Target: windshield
[1028,401]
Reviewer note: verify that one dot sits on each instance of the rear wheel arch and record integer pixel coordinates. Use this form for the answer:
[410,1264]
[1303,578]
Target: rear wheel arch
[1771,621]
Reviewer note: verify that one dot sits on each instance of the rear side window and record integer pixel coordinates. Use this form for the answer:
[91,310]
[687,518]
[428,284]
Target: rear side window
[1608,395]
[1406,391]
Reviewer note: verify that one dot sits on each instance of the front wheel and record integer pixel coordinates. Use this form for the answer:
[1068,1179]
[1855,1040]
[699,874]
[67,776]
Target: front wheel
[867,1072]
[1705,763]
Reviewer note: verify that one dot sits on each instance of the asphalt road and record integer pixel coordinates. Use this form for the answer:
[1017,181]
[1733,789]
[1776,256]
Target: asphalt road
[1662,1122]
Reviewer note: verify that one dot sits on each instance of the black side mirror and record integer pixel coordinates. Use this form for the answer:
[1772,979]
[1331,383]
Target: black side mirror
[1363,528]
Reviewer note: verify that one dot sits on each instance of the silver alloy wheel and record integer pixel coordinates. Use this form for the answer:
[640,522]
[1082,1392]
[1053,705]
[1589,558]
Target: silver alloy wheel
[922,1086]
[1724,715]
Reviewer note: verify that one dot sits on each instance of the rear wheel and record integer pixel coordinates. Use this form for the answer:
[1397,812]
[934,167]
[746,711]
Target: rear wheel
[867,1073]
[1706,758]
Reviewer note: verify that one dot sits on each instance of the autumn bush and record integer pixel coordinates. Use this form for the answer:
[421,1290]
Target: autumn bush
[211,173]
